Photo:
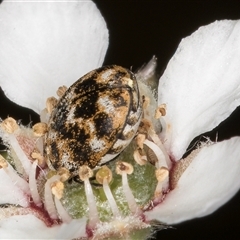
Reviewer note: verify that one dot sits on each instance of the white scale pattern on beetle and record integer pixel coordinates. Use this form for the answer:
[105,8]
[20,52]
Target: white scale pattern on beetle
[107,104]
[95,119]
[97,144]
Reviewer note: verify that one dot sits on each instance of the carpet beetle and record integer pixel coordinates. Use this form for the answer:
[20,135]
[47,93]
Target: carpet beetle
[94,120]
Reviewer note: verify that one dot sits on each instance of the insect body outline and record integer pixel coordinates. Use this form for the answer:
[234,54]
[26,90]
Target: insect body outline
[94,120]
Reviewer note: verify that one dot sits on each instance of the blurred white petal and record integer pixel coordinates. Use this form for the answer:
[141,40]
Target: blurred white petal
[10,193]
[72,230]
[201,85]
[30,227]
[210,181]
[48,44]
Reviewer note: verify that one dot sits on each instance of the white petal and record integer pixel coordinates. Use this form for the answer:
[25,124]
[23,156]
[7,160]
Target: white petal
[201,85]
[73,230]
[210,181]
[30,227]
[10,193]
[48,44]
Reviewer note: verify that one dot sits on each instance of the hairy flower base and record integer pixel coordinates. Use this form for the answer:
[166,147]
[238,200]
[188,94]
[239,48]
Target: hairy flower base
[142,185]
[73,204]
[113,197]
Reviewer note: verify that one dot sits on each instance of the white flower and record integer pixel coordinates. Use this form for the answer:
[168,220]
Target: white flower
[43,45]
[200,88]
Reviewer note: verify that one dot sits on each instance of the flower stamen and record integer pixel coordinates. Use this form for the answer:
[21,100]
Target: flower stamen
[85,173]
[104,176]
[49,203]
[158,152]
[158,142]
[12,174]
[161,175]
[33,184]
[10,135]
[124,168]
[57,191]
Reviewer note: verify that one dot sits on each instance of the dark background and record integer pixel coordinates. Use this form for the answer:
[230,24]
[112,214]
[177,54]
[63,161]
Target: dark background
[139,30]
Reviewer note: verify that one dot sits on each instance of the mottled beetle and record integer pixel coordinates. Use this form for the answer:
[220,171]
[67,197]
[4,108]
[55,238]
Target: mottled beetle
[94,120]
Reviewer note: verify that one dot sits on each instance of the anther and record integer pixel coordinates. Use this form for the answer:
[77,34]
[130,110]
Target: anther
[123,168]
[39,129]
[161,175]
[160,111]
[9,125]
[57,190]
[104,177]
[85,173]
[61,90]
[64,174]
[141,160]
[51,103]
[39,157]
[104,173]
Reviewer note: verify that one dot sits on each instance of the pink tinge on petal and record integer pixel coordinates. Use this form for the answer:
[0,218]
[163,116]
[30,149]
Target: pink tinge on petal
[211,180]
[201,84]
[47,44]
